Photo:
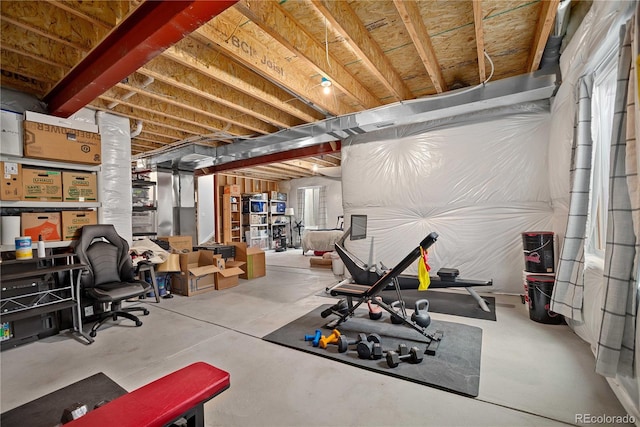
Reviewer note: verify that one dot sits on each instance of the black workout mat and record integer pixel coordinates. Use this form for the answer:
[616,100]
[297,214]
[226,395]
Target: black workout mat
[47,410]
[445,302]
[455,366]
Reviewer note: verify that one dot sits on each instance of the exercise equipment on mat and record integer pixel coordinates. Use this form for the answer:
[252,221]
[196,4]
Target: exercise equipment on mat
[330,339]
[364,293]
[414,356]
[368,274]
[344,342]
[315,339]
[420,314]
[375,312]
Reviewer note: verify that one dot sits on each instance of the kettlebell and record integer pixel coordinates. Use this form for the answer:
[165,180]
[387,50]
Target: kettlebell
[395,319]
[375,311]
[421,313]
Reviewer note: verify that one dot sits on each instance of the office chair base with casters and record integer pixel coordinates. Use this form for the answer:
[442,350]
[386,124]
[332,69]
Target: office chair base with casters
[109,275]
[118,311]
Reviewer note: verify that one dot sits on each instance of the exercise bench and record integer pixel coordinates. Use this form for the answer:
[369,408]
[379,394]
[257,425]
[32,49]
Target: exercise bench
[364,293]
[179,395]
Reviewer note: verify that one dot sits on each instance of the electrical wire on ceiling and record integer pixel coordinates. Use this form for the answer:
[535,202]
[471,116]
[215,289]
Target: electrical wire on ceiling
[469,89]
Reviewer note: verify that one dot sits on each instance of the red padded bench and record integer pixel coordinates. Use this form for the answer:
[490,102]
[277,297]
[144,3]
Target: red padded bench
[181,394]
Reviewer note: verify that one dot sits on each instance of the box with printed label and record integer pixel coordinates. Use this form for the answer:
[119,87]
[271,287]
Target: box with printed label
[49,142]
[45,224]
[233,189]
[79,186]
[11,181]
[41,185]
[73,221]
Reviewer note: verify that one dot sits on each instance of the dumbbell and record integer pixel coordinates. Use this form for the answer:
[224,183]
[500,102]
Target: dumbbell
[368,348]
[414,356]
[341,307]
[421,313]
[375,311]
[330,339]
[314,338]
[396,319]
[344,342]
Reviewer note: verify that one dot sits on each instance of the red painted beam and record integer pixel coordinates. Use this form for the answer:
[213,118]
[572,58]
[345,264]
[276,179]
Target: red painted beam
[297,153]
[150,29]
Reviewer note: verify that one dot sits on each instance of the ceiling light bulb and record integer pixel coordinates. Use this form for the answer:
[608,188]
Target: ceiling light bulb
[325,82]
[326,90]
[315,168]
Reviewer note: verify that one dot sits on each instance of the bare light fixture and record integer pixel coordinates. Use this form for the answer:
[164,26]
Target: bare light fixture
[326,85]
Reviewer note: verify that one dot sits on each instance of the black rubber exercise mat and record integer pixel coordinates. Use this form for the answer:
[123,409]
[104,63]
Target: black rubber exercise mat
[455,367]
[47,410]
[445,302]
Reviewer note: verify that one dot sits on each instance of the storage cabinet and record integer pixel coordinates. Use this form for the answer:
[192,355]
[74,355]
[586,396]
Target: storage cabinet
[256,220]
[231,218]
[143,198]
[278,223]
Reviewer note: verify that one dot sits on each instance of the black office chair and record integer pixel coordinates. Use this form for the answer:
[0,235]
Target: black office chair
[109,276]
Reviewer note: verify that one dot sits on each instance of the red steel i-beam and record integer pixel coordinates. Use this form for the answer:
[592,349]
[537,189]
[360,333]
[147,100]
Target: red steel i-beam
[296,153]
[151,28]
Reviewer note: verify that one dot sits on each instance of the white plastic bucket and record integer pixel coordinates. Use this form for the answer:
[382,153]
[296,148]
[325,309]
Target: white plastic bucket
[336,264]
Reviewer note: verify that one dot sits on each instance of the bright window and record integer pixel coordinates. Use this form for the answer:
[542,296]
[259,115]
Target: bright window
[602,102]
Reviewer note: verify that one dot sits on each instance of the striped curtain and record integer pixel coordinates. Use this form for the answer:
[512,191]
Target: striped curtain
[568,290]
[616,343]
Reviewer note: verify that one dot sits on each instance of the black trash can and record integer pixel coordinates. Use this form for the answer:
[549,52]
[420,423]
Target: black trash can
[539,290]
[538,251]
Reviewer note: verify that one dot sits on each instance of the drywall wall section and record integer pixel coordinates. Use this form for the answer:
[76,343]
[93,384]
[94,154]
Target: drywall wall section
[479,184]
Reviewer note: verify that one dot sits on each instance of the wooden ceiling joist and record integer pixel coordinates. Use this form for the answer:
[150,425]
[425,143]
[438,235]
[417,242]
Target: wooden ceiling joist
[273,20]
[548,11]
[477,21]
[344,20]
[411,17]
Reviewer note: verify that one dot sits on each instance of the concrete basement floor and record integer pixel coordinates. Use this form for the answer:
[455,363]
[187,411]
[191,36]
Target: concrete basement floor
[531,374]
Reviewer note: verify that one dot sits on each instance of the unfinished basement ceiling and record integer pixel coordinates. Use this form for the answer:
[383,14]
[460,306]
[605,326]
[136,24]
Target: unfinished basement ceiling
[257,67]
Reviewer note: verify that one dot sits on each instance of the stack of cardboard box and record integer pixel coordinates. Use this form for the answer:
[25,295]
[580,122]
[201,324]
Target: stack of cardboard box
[201,271]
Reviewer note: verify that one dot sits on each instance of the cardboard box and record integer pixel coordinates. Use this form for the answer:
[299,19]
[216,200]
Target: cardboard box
[254,259]
[47,225]
[320,262]
[233,189]
[11,136]
[178,244]
[228,275]
[49,142]
[32,116]
[11,181]
[41,185]
[73,221]
[79,186]
[197,273]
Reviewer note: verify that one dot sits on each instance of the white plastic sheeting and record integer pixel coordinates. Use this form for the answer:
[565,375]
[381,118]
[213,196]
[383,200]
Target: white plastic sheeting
[478,184]
[114,183]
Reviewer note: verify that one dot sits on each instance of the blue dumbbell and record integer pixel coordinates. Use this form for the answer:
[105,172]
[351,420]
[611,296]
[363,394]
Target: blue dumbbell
[314,338]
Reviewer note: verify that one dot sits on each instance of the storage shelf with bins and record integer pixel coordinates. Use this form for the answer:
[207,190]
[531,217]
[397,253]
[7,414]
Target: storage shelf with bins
[15,207]
[231,218]
[278,223]
[143,198]
[256,220]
